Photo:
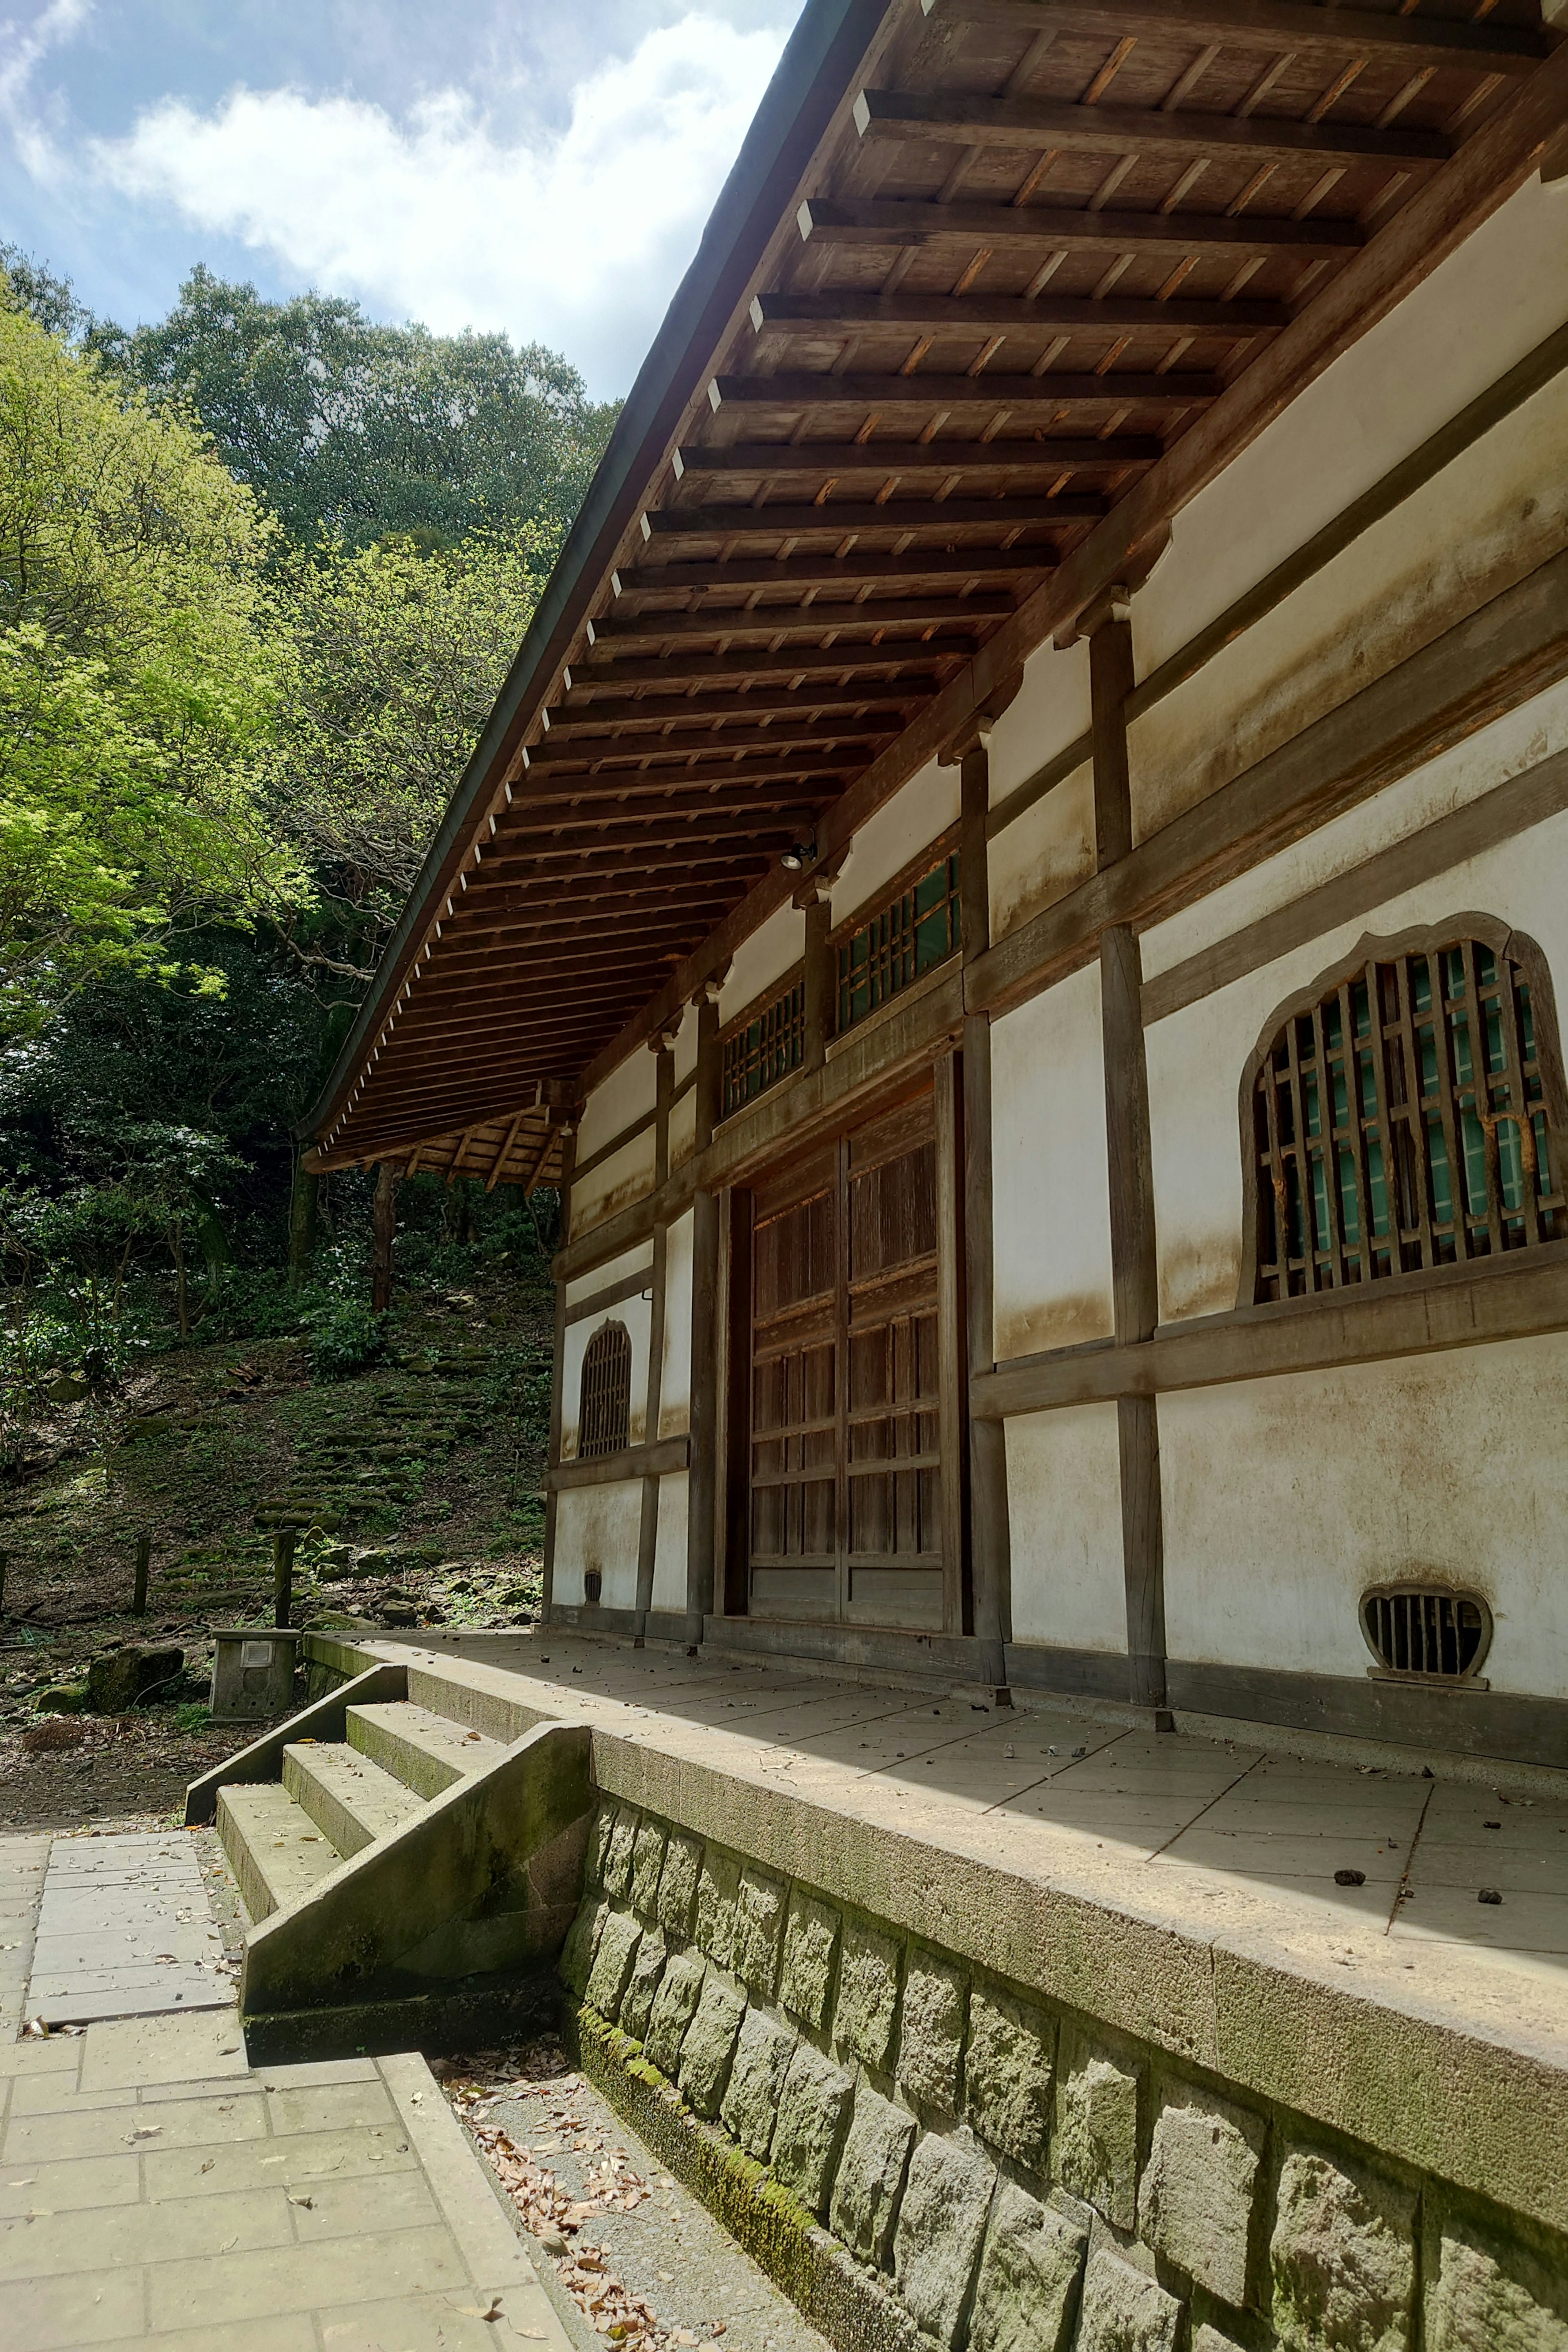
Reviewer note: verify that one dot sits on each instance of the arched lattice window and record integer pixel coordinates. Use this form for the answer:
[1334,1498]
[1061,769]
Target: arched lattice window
[1407,1111]
[604,1405]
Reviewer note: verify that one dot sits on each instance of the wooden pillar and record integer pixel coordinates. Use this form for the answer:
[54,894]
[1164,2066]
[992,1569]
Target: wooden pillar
[821,974]
[702,1489]
[709,1078]
[663,1048]
[558,1371]
[989,1543]
[384,1224]
[1133,1268]
[731,1437]
[303,1206]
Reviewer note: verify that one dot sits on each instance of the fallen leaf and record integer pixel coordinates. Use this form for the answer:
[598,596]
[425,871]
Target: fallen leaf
[145,2131]
[308,2203]
[473,2310]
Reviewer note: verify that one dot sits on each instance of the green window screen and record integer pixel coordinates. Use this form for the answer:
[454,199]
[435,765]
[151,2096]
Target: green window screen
[1401,1123]
[910,936]
[764,1050]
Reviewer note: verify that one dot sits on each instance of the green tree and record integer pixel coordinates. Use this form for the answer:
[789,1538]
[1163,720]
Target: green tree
[140,673]
[361,430]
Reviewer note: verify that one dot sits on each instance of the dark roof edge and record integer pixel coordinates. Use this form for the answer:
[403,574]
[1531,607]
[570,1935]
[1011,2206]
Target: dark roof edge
[811,81]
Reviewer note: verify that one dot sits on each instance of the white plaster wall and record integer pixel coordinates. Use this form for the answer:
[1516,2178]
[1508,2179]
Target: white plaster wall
[629,1092]
[598,1526]
[1491,301]
[762,959]
[669,1557]
[1050,1208]
[1064,1507]
[615,1183]
[682,1126]
[1043,854]
[1197,1058]
[675,1372]
[1284,1498]
[899,830]
[611,1269]
[1049,712]
[686,1044]
[636,1314]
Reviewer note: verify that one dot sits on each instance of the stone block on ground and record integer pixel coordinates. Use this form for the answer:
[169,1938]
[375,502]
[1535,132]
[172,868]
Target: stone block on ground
[940,2224]
[647,1861]
[867,2000]
[810,1953]
[115,1682]
[870,2176]
[813,2106]
[1008,2073]
[673,2006]
[647,1969]
[1342,2257]
[678,1882]
[582,1943]
[1194,2203]
[758,1930]
[1095,2155]
[598,1856]
[709,2043]
[931,2038]
[1124,2310]
[618,1948]
[1209,2339]
[619,1858]
[1027,2296]
[717,1885]
[1489,2298]
[756,2078]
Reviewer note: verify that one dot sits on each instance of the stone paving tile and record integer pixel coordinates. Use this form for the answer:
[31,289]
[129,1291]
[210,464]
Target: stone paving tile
[74,2187]
[89,2307]
[204,2123]
[327,2106]
[293,2333]
[183,2049]
[93,1959]
[172,2232]
[375,2152]
[216,2288]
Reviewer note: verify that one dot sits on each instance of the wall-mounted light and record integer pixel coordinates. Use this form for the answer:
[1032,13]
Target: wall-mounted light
[802,851]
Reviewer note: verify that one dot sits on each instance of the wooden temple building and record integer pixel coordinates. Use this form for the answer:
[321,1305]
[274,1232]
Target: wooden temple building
[1018,884]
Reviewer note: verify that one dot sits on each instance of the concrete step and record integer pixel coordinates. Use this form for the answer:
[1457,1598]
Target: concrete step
[353,1800]
[276,1850]
[426,1752]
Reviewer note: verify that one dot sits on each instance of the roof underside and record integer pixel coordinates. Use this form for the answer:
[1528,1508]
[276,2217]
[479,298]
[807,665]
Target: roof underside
[1035,242]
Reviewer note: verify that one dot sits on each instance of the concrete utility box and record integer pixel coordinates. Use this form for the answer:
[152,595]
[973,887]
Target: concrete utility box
[253,1674]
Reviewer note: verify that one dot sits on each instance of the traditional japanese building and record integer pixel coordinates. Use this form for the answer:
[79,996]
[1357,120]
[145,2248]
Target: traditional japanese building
[1019,882]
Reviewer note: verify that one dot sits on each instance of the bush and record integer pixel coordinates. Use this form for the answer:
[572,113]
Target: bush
[344,1335]
[193,1715]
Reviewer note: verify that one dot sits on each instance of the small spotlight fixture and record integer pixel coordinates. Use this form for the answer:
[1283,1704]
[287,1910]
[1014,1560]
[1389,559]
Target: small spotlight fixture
[802,851]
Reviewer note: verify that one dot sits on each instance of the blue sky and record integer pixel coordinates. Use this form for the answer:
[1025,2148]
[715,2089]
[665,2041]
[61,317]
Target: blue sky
[543,166]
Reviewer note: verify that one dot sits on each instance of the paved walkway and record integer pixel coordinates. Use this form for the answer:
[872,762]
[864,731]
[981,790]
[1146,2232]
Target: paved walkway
[1368,1868]
[124,1930]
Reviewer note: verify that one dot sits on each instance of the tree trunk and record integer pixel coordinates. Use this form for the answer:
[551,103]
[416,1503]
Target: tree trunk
[302,1215]
[385,1234]
[182,1294]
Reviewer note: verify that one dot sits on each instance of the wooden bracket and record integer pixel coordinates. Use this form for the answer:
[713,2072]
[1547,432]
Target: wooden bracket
[1115,601]
[708,991]
[976,731]
[813,887]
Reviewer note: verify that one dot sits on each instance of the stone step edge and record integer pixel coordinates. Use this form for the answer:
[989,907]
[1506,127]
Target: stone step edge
[399,1748]
[311,1781]
[820,2277]
[258,1891]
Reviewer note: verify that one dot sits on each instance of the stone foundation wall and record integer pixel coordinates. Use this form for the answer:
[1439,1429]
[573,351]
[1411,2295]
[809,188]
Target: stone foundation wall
[1016,2176]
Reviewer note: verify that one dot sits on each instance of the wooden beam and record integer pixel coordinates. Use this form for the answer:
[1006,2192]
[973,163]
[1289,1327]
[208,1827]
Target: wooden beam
[699,787]
[767,792]
[504,1154]
[936,313]
[776,620]
[771,458]
[841,515]
[774,704]
[674,669]
[900,221]
[857,569]
[1129,388]
[1328,33]
[806,736]
[952,118]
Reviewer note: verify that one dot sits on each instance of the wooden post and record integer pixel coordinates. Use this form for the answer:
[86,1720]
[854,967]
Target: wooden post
[385,1229]
[557,1372]
[1133,1265]
[731,1437]
[821,977]
[143,1563]
[709,1082]
[703,1491]
[648,1526]
[303,1206]
[283,1543]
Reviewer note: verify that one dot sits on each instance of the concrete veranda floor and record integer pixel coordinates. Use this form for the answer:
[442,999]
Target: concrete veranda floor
[1232,1841]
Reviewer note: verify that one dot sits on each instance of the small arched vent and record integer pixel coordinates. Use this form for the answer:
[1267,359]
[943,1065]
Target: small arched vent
[1426,1631]
[605,1411]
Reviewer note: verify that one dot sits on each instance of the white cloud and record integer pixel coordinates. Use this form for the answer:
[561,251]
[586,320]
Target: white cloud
[21,53]
[577,238]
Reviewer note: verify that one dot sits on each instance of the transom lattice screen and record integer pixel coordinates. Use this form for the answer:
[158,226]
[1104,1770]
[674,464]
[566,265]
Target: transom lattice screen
[766,1049]
[605,1415]
[909,935]
[1401,1122]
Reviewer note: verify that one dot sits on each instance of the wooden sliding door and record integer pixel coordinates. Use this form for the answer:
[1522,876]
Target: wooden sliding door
[853,1517]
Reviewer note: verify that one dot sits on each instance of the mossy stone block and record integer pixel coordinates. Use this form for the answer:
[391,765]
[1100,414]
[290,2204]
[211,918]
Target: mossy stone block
[618,1859]
[870,2177]
[868,2001]
[618,1948]
[1008,2070]
[678,1882]
[718,1885]
[813,2106]
[1491,2295]
[648,1862]
[758,1932]
[673,2006]
[756,2078]
[1342,2257]
[599,1836]
[810,1951]
[1095,2155]
[710,2044]
[582,1942]
[940,2224]
[1194,2203]
[930,2040]
[647,1969]
[1027,2296]
[1124,2310]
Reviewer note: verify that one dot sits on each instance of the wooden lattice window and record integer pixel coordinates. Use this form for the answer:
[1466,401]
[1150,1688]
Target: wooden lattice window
[909,935]
[605,1399]
[765,1048]
[1407,1114]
